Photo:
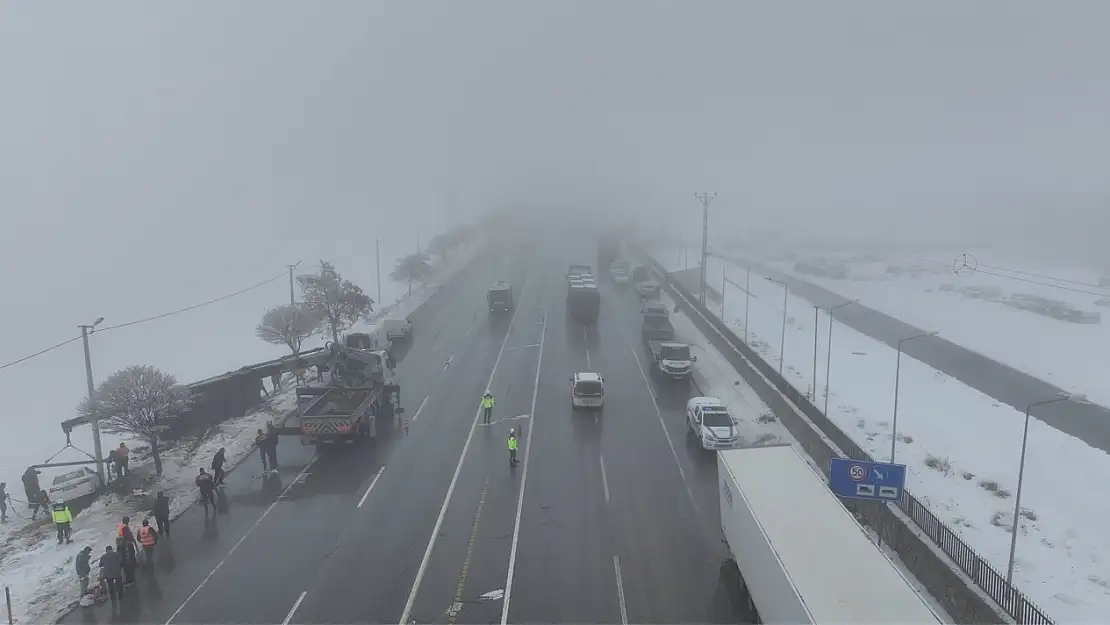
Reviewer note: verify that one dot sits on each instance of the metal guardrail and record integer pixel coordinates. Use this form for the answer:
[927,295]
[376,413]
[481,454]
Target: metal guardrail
[981,572]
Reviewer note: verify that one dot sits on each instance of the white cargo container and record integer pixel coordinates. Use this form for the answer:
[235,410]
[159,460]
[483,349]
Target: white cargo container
[802,556]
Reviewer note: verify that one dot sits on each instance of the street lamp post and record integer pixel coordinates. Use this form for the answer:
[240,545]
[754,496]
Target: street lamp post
[816,310]
[292,299]
[1021,475]
[828,355]
[897,377]
[782,341]
[724,279]
[94,422]
[747,299]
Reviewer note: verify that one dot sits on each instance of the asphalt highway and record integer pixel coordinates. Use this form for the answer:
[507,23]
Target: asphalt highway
[608,518]
[1087,421]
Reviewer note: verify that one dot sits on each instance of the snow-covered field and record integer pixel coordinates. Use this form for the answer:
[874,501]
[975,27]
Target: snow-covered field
[193,346]
[961,447]
[40,573]
[929,294]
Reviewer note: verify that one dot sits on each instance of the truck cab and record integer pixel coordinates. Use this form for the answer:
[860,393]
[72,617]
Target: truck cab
[644,286]
[500,297]
[577,270]
[587,390]
[711,422]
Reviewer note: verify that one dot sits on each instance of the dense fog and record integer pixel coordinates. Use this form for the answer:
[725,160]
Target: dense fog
[157,155]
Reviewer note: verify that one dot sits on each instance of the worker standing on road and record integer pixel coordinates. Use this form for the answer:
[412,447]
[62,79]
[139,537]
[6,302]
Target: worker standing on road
[207,487]
[218,467]
[272,445]
[260,442]
[111,567]
[62,518]
[83,569]
[39,502]
[487,405]
[148,538]
[512,446]
[162,514]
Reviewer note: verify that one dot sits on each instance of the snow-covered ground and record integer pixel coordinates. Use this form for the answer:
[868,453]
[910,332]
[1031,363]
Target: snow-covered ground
[40,573]
[929,294]
[193,346]
[961,447]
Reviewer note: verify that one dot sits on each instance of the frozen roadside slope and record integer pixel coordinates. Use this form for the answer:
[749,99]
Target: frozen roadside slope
[962,449]
[41,573]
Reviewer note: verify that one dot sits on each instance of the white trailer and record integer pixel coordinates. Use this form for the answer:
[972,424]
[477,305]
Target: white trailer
[802,556]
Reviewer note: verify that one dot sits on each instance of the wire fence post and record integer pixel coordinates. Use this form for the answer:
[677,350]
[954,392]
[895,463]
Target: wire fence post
[8,601]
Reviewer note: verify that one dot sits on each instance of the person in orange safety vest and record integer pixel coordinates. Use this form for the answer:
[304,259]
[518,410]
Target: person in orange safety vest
[148,538]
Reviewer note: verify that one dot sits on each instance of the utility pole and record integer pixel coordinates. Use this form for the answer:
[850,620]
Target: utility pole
[292,299]
[705,200]
[378,265]
[98,452]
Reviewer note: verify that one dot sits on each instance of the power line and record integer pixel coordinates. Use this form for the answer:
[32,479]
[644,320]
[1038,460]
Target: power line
[146,319]
[195,306]
[1016,278]
[40,353]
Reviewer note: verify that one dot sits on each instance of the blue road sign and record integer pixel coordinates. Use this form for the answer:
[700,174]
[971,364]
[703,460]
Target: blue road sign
[860,479]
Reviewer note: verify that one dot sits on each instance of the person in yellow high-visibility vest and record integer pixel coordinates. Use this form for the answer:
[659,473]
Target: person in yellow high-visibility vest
[487,405]
[512,446]
[62,519]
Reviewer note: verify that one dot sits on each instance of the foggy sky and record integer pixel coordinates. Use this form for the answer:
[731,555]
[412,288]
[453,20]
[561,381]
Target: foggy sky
[159,154]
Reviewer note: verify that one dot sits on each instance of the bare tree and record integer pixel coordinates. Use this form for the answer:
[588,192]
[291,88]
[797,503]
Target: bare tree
[139,400]
[412,268]
[288,325]
[337,303]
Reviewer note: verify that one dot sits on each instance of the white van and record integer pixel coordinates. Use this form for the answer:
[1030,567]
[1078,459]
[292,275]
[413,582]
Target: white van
[587,390]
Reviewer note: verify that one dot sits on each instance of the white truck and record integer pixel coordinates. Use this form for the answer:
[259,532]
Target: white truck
[802,557]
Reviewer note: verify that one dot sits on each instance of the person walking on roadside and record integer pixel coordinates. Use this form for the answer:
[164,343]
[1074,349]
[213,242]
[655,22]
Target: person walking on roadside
[111,567]
[207,487]
[148,538]
[84,569]
[260,442]
[4,497]
[63,521]
[272,445]
[110,465]
[162,514]
[218,461]
[122,457]
[129,560]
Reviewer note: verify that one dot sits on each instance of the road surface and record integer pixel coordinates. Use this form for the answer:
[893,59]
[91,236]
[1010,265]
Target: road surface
[607,519]
[1086,421]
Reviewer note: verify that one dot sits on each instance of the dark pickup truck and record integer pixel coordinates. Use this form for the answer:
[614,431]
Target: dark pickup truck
[657,328]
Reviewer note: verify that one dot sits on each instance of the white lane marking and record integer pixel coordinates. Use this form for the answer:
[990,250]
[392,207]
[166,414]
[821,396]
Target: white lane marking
[413,419]
[523,482]
[404,620]
[620,590]
[604,478]
[203,582]
[293,610]
[515,347]
[371,487]
[662,424]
